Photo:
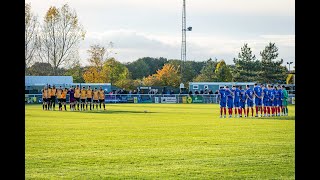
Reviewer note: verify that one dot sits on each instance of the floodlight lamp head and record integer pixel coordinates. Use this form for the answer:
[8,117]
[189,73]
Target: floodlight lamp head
[189,28]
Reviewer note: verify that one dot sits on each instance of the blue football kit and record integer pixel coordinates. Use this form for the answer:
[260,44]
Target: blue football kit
[249,94]
[223,97]
[258,91]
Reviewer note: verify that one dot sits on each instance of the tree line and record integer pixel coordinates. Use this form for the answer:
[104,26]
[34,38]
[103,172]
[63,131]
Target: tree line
[51,48]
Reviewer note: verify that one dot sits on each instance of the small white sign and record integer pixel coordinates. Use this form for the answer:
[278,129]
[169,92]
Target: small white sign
[156,99]
[168,99]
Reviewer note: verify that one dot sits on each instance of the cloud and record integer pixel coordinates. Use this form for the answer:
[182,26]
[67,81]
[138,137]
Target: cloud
[260,7]
[131,45]
[285,40]
[153,27]
[275,7]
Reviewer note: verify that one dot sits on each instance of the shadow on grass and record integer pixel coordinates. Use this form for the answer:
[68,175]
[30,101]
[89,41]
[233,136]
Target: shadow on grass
[281,118]
[115,112]
[277,118]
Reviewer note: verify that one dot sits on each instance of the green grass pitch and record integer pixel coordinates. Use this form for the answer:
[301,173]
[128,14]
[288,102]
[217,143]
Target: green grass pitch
[171,141]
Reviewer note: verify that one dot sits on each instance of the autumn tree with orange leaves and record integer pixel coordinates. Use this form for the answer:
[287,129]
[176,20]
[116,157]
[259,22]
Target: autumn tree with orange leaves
[167,76]
[96,61]
[92,75]
[151,80]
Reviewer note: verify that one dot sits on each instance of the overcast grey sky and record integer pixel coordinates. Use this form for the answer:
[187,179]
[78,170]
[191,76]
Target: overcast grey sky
[140,28]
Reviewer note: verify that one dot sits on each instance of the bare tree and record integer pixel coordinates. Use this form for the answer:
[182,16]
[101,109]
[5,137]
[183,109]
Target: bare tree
[60,36]
[96,56]
[31,36]
[109,50]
